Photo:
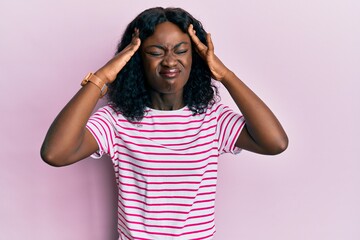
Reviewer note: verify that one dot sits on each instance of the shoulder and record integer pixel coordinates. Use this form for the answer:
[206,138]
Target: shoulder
[218,108]
[108,112]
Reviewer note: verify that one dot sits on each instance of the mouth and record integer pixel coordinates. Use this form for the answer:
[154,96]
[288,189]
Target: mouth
[170,73]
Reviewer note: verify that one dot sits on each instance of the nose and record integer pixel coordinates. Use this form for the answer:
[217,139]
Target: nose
[169,60]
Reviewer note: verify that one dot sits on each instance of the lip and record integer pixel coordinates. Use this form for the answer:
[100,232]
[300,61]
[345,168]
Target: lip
[170,73]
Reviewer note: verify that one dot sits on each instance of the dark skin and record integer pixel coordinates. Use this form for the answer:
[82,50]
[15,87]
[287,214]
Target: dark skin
[167,59]
[263,132]
[167,62]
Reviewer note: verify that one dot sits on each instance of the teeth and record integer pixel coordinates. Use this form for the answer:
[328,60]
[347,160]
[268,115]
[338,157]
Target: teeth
[172,70]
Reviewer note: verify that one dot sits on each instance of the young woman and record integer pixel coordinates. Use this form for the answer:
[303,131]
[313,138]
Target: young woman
[163,127]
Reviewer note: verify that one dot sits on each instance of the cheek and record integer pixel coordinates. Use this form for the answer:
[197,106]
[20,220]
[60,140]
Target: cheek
[150,67]
[188,63]
[189,59]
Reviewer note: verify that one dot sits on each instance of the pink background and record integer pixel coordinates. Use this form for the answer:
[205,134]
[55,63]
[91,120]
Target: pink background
[301,57]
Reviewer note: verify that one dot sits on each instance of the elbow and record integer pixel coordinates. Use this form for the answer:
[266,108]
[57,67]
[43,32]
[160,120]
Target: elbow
[51,158]
[279,146]
[52,161]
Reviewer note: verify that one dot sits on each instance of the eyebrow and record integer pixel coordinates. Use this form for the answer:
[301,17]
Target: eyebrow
[163,48]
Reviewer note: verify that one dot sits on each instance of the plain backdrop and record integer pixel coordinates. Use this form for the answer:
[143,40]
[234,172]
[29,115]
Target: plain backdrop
[301,57]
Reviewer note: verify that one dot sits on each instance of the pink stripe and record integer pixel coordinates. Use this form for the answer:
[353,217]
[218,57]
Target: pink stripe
[169,138]
[221,125]
[154,204]
[176,116]
[166,204]
[127,229]
[178,144]
[155,197]
[181,182]
[163,130]
[113,109]
[209,185]
[166,175]
[166,197]
[110,130]
[123,233]
[232,129]
[167,189]
[205,193]
[168,234]
[101,147]
[223,119]
[198,138]
[175,168]
[110,114]
[225,131]
[226,111]
[204,238]
[167,116]
[106,111]
[161,161]
[167,154]
[165,219]
[164,226]
[164,211]
[237,134]
[167,144]
[199,231]
[168,123]
[149,211]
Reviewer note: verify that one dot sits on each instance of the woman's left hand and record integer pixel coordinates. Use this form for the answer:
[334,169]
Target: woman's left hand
[217,68]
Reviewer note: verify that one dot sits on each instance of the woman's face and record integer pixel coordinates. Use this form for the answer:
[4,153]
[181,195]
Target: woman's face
[167,59]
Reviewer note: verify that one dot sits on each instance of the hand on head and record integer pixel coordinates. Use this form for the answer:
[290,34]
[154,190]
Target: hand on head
[110,70]
[217,68]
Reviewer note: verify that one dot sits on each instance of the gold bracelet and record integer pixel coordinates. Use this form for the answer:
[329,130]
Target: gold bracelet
[91,77]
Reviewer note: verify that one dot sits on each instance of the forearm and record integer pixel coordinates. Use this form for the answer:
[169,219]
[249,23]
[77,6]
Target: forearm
[63,142]
[67,140]
[262,125]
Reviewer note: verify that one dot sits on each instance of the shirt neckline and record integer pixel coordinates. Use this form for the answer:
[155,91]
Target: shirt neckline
[148,109]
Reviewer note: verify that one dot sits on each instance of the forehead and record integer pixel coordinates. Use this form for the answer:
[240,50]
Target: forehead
[167,34]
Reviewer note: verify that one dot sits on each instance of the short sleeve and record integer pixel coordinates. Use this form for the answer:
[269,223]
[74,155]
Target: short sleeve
[101,126]
[229,126]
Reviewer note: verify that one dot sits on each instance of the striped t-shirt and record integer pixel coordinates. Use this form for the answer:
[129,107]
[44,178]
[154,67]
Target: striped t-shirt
[166,168]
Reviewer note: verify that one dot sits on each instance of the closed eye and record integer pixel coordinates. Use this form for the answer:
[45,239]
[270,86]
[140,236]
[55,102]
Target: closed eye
[155,54]
[181,51]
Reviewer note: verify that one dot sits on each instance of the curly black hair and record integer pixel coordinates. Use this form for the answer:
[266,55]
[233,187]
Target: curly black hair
[129,94]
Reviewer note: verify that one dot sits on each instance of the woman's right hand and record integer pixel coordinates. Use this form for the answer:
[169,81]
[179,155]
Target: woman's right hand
[67,140]
[110,70]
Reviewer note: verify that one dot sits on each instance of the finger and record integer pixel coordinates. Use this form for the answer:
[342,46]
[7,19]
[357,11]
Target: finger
[134,44]
[210,42]
[136,32]
[135,36]
[193,36]
[191,30]
[198,44]
[129,50]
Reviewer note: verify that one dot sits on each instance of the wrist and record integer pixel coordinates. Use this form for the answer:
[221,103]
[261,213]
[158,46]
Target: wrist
[100,74]
[97,81]
[228,76]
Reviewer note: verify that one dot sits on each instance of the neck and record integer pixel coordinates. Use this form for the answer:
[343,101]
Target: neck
[167,101]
